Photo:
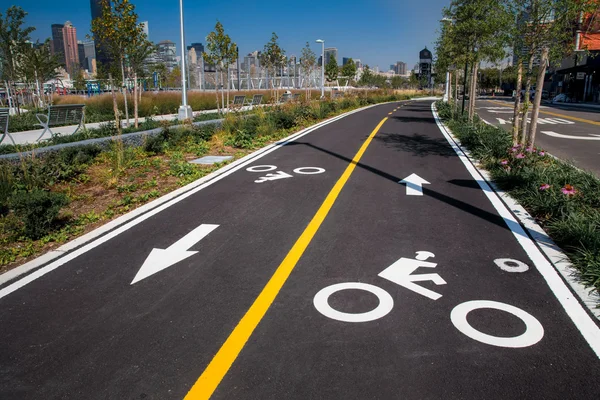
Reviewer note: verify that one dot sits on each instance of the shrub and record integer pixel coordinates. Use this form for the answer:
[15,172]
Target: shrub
[37,210]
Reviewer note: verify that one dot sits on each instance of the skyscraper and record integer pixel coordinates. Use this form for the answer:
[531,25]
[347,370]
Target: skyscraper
[102,55]
[330,52]
[81,55]
[58,42]
[401,68]
[166,52]
[71,48]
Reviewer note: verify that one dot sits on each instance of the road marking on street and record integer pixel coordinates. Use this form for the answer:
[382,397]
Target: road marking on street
[560,135]
[281,174]
[389,113]
[534,331]
[414,185]
[160,259]
[581,319]
[510,265]
[587,121]
[229,351]
[401,271]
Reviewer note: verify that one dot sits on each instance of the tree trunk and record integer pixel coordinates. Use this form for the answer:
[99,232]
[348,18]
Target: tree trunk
[456,90]
[228,76]
[135,100]
[517,108]
[538,97]
[526,100]
[473,92]
[115,106]
[124,93]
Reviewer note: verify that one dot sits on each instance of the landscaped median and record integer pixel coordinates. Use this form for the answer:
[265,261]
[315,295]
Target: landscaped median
[46,201]
[563,199]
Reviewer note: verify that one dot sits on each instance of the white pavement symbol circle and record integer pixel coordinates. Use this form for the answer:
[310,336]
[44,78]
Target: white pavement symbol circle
[261,168]
[386,303]
[309,170]
[534,332]
[510,265]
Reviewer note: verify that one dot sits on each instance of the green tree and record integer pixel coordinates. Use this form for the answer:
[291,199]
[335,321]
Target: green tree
[349,71]
[544,32]
[38,65]
[78,80]
[479,31]
[272,58]
[331,70]
[137,56]
[118,30]
[308,61]
[221,52]
[366,78]
[13,43]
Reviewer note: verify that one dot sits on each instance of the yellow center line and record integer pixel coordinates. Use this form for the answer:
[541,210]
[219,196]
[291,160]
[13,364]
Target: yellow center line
[229,351]
[587,121]
[389,113]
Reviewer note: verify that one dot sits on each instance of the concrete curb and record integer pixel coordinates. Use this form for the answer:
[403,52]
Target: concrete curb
[559,260]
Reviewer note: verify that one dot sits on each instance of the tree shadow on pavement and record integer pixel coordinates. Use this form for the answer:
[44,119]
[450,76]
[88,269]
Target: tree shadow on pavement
[419,145]
[461,205]
[427,120]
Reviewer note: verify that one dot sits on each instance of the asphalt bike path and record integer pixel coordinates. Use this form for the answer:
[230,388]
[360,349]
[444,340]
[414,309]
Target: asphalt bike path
[317,275]
[84,330]
[372,338]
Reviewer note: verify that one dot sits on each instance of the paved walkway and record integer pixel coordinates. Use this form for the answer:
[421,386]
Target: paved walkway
[31,136]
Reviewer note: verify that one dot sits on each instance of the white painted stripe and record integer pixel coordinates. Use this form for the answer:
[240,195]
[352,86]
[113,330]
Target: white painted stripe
[127,221]
[582,320]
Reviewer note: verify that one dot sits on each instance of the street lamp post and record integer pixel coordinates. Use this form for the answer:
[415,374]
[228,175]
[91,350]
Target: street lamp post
[322,67]
[185,111]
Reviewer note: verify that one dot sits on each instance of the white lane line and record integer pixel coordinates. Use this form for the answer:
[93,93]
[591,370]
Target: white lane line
[560,135]
[581,319]
[159,205]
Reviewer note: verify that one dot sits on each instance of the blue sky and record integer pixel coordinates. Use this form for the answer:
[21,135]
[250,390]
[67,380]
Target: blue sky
[379,32]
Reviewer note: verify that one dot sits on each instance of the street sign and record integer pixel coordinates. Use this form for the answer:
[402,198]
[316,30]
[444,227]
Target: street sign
[580,75]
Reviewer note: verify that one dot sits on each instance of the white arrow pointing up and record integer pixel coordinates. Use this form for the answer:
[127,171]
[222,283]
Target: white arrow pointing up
[161,259]
[414,185]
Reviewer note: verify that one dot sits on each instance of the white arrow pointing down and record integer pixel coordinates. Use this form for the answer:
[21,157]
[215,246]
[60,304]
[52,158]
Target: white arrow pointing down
[160,259]
[414,185]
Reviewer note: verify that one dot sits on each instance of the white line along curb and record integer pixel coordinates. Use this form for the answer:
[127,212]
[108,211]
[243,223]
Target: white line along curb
[73,249]
[580,317]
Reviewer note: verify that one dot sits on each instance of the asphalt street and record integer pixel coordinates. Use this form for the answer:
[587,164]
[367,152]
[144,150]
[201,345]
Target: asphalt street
[360,261]
[567,133]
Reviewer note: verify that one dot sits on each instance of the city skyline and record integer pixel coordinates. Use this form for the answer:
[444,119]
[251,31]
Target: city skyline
[374,46]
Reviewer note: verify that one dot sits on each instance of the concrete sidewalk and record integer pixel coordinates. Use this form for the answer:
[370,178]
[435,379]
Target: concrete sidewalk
[28,137]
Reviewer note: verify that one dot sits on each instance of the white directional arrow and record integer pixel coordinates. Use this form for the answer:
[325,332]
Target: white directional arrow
[160,259]
[560,135]
[414,185]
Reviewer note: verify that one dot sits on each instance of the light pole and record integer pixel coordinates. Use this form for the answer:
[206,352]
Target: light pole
[185,111]
[322,67]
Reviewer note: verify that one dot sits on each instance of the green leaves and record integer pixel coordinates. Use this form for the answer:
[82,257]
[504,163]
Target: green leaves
[13,41]
[221,50]
[349,70]
[331,70]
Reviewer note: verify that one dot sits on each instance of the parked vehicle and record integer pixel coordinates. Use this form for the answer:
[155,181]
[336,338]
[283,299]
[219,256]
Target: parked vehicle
[561,98]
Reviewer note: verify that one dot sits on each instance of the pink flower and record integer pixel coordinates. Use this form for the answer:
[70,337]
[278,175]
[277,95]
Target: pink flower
[542,153]
[568,190]
[520,155]
[529,150]
[515,149]
[545,186]
[504,162]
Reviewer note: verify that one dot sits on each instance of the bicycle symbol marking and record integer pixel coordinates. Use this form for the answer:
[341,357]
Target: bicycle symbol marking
[401,273]
[281,174]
